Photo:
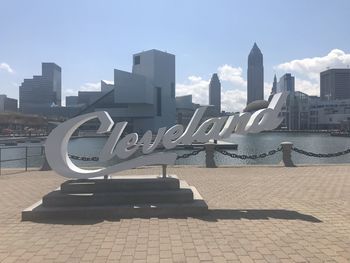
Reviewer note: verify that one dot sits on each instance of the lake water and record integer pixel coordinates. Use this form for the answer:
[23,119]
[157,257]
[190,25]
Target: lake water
[247,144]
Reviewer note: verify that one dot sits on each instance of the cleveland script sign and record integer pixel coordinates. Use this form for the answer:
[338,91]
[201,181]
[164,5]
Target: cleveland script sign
[214,128]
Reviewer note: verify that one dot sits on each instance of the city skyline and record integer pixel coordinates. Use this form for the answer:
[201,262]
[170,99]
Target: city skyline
[87,58]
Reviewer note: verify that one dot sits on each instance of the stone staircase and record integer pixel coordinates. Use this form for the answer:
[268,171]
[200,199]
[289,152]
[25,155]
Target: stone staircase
[119,197]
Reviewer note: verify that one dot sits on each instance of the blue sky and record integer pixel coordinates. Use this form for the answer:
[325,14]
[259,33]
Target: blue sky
[88,39]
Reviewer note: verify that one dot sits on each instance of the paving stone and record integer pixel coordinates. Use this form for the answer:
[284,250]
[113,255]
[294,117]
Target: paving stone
[257,214]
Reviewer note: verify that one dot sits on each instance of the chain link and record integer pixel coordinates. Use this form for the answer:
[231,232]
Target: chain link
[95,159]
[252,157]
[83,158]
[234,155]
[186,155]
[320,155]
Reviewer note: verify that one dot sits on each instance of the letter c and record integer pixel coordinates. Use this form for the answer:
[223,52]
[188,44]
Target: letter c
[56,146]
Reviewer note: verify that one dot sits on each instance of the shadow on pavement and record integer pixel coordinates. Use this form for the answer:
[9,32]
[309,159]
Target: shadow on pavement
[213,216]
[73,221]
[257,214]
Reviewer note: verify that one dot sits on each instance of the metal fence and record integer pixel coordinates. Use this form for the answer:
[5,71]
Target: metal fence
[21,153]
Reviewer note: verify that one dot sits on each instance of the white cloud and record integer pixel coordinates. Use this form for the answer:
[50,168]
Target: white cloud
[70,92]
[267,89]
[311,67]
[233,88]
[6,67]
[195,86]
[232,74]
[108,81]
[89,86]
[308,87]
[307,70]
[194,78]
[233,100]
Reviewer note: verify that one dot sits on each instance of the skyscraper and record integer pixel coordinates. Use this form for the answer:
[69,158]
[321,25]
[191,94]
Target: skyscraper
[144,97]
[40,92]
[7,104]
[274,88]
[286,83]
[158,68]
[335,84]
[215,93]
[274,85]
[255,75]
[52,72]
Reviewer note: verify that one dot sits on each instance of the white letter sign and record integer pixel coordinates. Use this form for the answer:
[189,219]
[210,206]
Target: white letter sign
[56,146]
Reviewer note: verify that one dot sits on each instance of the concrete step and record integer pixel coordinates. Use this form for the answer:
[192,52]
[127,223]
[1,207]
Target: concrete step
[119,185]
[57,198]
[38,212]
[181,202]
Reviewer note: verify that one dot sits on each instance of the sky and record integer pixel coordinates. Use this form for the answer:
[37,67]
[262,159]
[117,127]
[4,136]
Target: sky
[89,39]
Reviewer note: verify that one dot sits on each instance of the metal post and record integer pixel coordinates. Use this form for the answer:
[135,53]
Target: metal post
[209,155]
[287,154]
[164,170]
[0,161]
[45,166]
[26,158]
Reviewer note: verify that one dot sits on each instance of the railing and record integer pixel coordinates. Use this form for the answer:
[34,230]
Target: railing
[26,155]
[286,148]
[24,134]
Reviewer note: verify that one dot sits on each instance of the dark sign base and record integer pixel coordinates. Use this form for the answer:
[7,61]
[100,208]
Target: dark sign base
[123,197]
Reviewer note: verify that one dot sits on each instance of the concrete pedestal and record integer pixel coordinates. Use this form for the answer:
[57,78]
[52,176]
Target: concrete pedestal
[119,197]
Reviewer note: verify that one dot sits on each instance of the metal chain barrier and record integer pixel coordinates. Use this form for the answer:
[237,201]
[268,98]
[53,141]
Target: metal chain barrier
[252,157]
[186,155]
[95,159]
[234,155]
[83,158]
[320,155]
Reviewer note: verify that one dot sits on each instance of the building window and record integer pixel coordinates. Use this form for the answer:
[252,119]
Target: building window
[159,101]
[137,60]
[172,86]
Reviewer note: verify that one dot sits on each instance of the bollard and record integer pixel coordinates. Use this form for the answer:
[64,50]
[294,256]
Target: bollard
[287,154]
[46,165]
[164,170]
[209,155]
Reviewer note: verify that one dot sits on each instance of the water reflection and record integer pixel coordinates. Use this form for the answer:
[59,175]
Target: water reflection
[247,144]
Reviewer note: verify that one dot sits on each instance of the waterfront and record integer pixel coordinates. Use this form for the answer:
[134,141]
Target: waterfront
[15,156]
[247,144]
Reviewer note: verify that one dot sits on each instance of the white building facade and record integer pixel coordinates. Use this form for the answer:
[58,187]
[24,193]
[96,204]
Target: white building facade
[144,97]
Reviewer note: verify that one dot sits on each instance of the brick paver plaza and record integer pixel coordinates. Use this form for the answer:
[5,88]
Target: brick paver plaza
[257,214]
